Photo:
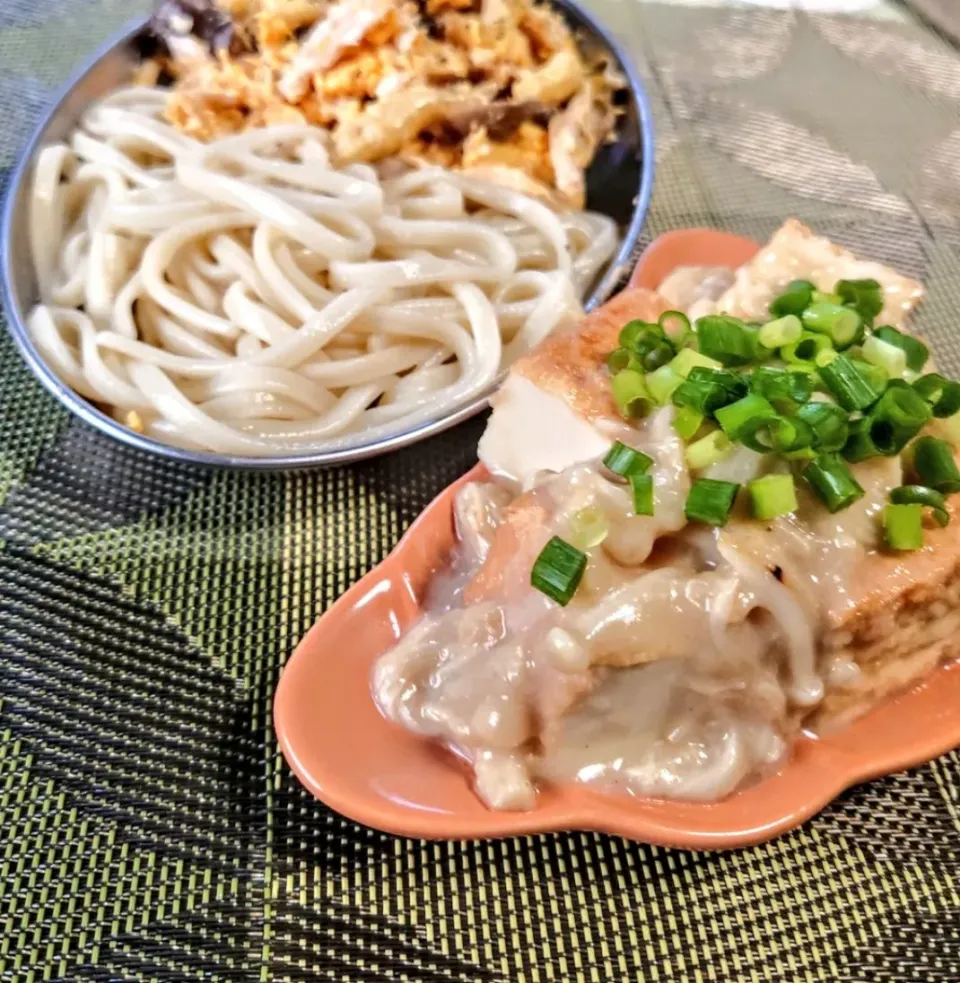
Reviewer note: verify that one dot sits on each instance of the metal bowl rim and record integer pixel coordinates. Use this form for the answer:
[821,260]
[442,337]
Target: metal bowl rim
[107,425]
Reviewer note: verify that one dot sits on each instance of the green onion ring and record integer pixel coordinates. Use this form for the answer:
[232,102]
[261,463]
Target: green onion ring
[942,394]
[921,495]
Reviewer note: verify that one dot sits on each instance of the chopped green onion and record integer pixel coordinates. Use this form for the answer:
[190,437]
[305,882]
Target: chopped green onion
[734,383]
[783,331]
[904,526]
[864,296]
[642,486]
[630,394]
[784,389]
[588,527]
[621,358]
[777,434]
[633,331]
[828,423]
[736,416]
[662,383]
[676,326]
[652,351]
[843,380]
[933,461]
[706,390]
[557,570]
[943,395]
[803,454]
[772,495]
[832,480]
[708,450]
[625,461]
[916,351]
[805,350]
[686,422]
[794,300]
[897,418]
[841,324]
[860,445]
[727,339]
[921,495]
[891,358]
[821,297]
[710,501]
[689,359]
[874,376]
[825,357]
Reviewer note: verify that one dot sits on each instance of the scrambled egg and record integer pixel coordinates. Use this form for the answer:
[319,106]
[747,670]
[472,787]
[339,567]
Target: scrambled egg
[471,84]
[527,149]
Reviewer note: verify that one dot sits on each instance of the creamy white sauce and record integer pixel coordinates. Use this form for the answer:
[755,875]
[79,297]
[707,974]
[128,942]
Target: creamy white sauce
[673,672]
[688,655]
[645,731]
[793,253]
[689,287]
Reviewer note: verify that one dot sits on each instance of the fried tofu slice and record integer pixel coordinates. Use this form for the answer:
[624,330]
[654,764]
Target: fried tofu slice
[555,408]
[904,621]
[795,252]
[553,411]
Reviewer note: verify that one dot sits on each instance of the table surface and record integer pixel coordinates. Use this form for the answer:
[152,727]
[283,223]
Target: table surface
[151,828]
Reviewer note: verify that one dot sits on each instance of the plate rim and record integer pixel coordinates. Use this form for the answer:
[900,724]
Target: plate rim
[15,317]
[596,811]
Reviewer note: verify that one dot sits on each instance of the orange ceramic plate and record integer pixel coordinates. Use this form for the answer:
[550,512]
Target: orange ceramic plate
[378,774]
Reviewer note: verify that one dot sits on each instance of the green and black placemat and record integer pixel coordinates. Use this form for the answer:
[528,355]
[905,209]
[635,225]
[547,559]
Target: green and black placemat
[150,829]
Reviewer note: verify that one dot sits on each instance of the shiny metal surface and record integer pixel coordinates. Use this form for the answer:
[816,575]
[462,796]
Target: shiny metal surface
[620,182]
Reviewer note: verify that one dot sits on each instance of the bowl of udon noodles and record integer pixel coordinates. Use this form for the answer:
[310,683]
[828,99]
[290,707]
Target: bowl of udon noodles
[250,301]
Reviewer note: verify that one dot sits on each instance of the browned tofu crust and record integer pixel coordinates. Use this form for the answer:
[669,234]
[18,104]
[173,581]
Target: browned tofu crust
[904,623]
[906,616]
[572,364]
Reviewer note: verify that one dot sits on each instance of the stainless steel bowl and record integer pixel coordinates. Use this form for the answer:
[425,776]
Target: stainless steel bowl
[619,184]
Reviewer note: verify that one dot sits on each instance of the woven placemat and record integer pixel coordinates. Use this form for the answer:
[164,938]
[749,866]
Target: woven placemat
[150,829]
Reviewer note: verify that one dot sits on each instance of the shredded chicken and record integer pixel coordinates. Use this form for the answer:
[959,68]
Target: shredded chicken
[346,26]
[575,134]
[388,124]
[497,87]
[555,82]
[527,150]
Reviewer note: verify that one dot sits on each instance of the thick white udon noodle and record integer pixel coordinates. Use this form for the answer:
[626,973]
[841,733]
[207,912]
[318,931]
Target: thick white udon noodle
[245,297]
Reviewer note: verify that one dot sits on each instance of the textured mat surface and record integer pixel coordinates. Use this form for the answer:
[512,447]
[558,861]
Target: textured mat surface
[150,830]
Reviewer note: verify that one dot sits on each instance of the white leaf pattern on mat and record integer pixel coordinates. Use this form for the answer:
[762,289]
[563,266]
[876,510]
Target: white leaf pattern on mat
[743,45]
[938,196]
[888,51]
[787,154]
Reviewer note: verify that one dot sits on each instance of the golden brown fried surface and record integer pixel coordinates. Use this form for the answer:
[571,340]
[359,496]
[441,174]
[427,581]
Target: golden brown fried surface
[795,251]
[572,364]
[904,613]
[488,86]
[905,620]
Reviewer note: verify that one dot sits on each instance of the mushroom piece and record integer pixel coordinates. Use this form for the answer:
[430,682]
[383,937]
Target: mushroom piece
[190,29]
[478,509]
